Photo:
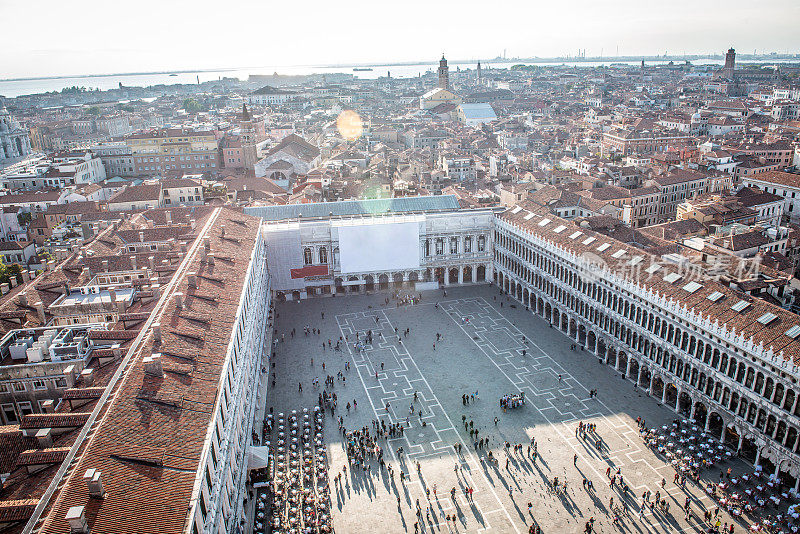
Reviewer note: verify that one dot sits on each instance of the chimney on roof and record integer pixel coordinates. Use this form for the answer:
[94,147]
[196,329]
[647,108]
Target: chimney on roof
[49,406]
[95,483]
[40,310]
[141,236]
[85,274]
[87,375]
[44,437]
[207,243]
[222,230]
[69,376]
[112,295]
[178,296]
[152,261]
[168,217]
[134,264]
[105,266]
[192,223]
[22,299]
[152,365]
[151,223]
[77,520]
[157,332]
[192,279]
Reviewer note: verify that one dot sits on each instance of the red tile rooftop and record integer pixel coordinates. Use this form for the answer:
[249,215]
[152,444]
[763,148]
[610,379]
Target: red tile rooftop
[149,441]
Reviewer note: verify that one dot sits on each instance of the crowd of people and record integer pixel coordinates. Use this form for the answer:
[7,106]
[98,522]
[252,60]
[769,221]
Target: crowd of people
[366,449]
[508,402]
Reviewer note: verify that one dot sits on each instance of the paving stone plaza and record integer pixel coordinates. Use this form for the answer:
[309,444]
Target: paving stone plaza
[488,351]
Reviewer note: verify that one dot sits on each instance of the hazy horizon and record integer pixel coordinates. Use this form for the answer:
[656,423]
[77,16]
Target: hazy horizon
[87,37]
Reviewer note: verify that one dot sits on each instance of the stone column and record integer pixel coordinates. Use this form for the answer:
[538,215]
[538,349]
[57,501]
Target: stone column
[664,394]
[708,420]
[628,367]
[691,414]
[446,276]
[739,446]
[461,274]
[650,387]
[758,457]
[639,376]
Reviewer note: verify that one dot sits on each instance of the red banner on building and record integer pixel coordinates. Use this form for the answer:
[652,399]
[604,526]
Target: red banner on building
[309,270]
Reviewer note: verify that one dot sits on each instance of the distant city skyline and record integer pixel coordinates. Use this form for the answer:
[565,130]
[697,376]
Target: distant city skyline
[88,37]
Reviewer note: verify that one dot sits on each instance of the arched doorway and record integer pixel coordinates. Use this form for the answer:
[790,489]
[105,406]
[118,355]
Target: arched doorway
[644,378]
[397,279]
[295,295]
[684,404]
[480,274]
[281,296]
[383,281]
[715,424]
[453,275]
[339,285]
[369,282]
[700,414]
[353,286]
[438,274]
[657,390]
[467,274]
[731,437]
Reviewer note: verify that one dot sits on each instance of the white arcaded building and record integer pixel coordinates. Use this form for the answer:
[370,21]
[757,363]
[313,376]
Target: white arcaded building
[358,246]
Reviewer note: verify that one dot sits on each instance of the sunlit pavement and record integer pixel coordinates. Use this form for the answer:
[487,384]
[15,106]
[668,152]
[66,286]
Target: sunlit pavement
[480,350]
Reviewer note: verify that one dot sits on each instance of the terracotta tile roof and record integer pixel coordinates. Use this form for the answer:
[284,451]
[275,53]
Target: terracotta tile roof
[53,420]
[747,327]
[148,444]
[83,393]
[17,510]
[137,193]
[54,455]
[778,178]
[12,442]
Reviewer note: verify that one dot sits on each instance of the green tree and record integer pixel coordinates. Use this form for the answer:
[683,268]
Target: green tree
[191,105]
[94,110]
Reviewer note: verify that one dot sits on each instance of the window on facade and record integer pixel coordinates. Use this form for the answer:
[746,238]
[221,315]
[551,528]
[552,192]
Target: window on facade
[308,259]
[439,246]
[9,413]
[25,408]
[39,384]
[468,244]
[19,386]
[323,255]
[453,245]
[481,243]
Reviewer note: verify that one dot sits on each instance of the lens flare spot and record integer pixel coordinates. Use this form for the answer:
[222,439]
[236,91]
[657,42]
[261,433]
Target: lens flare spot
[349,125]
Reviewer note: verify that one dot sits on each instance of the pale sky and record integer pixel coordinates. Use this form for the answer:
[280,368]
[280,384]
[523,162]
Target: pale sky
[55,37]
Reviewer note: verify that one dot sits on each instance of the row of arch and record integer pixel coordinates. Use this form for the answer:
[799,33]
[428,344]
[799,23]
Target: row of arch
[692,376]
[757,380]
[464,274]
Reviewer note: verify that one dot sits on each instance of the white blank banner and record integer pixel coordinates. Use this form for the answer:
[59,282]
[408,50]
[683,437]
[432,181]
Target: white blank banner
[379,247]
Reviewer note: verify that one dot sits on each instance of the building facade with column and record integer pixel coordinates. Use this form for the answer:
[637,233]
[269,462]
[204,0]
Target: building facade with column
[718,357]
[308,256]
